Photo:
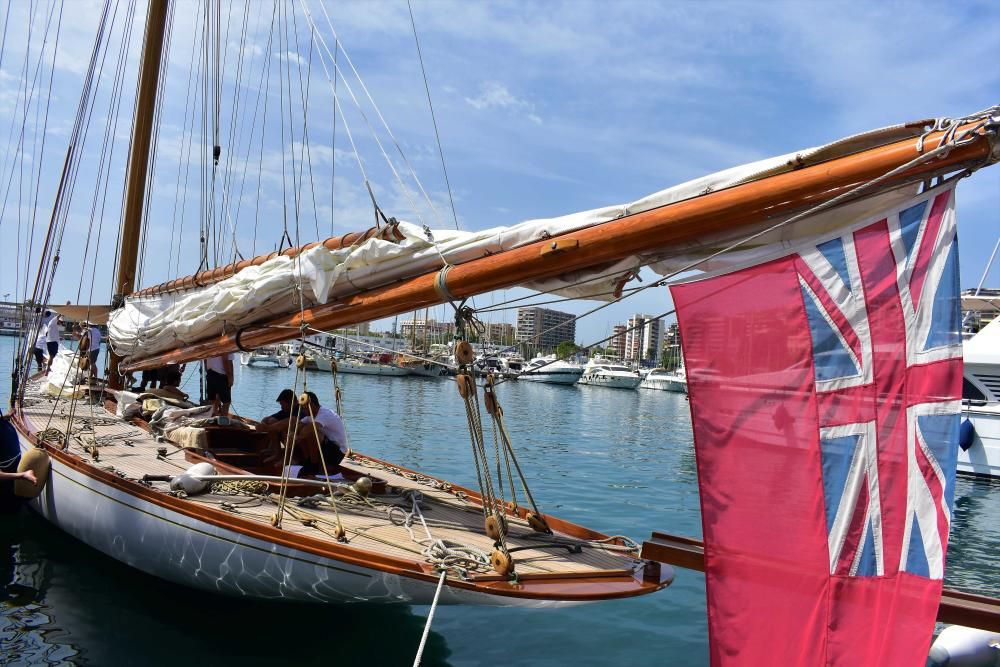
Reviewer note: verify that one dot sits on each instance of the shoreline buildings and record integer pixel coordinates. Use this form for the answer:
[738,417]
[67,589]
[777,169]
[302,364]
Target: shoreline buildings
[544,328]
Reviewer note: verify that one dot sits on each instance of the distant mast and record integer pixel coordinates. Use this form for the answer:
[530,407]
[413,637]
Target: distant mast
[138,163]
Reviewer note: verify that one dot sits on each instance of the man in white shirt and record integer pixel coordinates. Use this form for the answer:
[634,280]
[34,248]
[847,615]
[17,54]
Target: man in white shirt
[50,329]
[332,439]
[219,382]
[40,340]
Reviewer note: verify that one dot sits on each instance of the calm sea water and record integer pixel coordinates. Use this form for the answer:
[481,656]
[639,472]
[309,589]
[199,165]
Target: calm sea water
[617,461]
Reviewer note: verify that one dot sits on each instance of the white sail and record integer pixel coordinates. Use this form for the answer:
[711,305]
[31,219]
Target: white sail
[150,324]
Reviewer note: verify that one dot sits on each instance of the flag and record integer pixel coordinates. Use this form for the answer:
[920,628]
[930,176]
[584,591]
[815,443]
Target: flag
[825,390]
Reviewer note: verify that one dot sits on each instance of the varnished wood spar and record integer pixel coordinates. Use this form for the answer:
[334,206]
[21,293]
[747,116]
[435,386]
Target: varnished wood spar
[645,232]
[221,273]
[138,162]
[976,611]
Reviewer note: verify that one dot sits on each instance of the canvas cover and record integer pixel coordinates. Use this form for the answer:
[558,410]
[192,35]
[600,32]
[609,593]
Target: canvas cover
[825,389]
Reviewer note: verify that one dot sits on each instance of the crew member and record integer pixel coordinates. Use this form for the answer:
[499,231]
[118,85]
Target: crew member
[332,439]
[219,383]
[40,339]
[95,348]
[276,425]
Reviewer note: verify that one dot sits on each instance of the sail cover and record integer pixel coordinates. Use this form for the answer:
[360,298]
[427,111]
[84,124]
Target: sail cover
[825,389]
[147,324]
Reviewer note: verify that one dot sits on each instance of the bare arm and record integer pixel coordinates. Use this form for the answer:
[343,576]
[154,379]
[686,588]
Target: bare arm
[27,474]
[227,363]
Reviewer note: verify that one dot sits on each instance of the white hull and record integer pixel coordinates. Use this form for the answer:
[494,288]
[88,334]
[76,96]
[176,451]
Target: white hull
[678,385]
[279,360]
[185,550]
[427,370]
[558,377]
[611,381]
[349,367]
[983,456]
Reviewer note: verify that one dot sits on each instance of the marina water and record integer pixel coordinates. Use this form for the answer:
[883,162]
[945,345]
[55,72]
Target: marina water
[618,461]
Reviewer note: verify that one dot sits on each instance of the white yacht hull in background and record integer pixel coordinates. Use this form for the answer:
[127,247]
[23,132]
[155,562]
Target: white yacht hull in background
[567,377]
[982,458]
[351,367]
[674,383]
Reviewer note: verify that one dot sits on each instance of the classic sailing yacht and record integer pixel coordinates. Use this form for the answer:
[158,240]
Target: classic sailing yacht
[208,510]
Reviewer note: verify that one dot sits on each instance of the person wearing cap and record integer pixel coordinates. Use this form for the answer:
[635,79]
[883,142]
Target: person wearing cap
[90,346]
[276,425]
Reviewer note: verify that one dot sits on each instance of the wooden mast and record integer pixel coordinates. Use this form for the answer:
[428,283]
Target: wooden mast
[725,210]
[138,163]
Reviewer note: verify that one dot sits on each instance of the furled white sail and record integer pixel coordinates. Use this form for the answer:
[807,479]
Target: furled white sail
[150,324]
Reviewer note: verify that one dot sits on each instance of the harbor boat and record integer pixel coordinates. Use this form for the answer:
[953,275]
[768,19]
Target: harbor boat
[266,356]
[436,363]
[208,510]
[550,370]
[661,378]
[601,372]
[979,446]
[354,365]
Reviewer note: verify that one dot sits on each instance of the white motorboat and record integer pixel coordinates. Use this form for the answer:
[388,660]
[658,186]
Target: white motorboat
[552,371]
[272,356]
[661,378]
[604,373]
[979,450]
[511,366]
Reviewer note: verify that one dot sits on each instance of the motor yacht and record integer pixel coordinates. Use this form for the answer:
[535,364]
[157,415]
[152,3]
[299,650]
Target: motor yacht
[605,373]
[550,370]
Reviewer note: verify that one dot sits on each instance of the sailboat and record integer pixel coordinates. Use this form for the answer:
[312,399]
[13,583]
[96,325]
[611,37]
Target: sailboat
[387,533]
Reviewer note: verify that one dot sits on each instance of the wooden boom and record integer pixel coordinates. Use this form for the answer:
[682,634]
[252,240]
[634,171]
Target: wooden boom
[645,232]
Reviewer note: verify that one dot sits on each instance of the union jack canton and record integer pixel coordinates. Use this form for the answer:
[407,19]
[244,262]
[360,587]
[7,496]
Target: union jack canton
[884,316]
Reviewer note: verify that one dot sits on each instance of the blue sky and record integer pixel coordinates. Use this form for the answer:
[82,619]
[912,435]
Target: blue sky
[544,108]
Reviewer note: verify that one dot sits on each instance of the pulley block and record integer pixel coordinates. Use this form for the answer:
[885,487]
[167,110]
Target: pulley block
[303,399]
[466,385]
[537,523]
[496,527]
[300,361]
[464,354]
[502,563]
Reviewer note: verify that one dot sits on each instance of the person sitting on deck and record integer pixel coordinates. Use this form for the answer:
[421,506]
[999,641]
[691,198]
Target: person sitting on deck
[276,425]
[320,430]
[170,382]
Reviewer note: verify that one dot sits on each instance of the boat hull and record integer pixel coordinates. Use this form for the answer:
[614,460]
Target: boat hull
[611,381]
[665,384]
[566,378]
[350,368]
[982,458]
[184,550]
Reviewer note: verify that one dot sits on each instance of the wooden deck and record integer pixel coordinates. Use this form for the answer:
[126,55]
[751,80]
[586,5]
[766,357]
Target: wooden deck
[376,527]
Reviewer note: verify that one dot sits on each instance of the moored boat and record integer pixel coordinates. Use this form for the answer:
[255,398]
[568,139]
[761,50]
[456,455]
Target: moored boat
[551,371]
[661,378]
[266,356]
[979,444]
[601,372]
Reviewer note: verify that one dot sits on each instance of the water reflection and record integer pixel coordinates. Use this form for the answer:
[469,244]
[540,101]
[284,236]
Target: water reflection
[62,602]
